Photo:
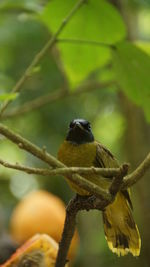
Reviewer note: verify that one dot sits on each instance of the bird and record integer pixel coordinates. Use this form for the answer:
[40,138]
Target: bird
[80,149]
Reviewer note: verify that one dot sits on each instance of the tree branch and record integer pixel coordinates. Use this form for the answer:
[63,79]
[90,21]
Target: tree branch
[66,171]
[52,161]
[42,154]
[118,180]
[50,98]
[35,104]
[101,197]
[26,145]
[75,205]
[136,175]
[68,232]
[88,203]
[43,51]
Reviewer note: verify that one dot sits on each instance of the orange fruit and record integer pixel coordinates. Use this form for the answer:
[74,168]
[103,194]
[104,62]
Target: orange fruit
[40,250]
[40,212]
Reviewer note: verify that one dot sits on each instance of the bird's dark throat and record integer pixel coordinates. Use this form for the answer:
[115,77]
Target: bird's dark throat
[78,136]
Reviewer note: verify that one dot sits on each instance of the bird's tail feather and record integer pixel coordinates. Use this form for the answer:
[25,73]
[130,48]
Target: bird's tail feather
[121,232]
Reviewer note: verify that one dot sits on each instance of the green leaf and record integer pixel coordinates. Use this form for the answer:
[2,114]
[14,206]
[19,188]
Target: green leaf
[11,96]
[132,66]
[96,21]
[106,74]
[79,61]
[145,46]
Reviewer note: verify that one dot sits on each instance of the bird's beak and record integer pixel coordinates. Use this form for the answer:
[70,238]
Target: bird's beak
[79,125]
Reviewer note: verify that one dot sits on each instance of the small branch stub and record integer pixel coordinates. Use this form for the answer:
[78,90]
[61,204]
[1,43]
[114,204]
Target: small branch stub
[100,199]
[117,181]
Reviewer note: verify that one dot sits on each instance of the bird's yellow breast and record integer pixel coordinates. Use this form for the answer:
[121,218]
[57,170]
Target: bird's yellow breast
[82,155]
[74,155]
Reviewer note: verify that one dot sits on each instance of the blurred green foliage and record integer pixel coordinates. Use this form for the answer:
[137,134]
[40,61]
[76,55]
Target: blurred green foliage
[132,70]
[107,29]
[25,26]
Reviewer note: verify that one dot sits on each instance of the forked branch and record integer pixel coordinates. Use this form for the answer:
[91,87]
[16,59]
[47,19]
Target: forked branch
[99,198]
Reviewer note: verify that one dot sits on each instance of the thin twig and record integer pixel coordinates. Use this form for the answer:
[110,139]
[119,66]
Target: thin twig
[26,145]
[117,181]
[100,199]
[53,162]
[25,169]
[52,97]
[35,104]
[23,143]
[66,171]
[43,51]
[136,175]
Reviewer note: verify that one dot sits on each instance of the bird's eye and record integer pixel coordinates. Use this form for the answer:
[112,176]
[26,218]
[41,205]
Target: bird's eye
[87,127]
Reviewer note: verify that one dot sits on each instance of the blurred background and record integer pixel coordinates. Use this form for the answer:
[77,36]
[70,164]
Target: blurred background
[119,112]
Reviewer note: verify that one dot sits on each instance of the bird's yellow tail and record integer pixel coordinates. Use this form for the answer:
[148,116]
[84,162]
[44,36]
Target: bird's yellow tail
[121,232]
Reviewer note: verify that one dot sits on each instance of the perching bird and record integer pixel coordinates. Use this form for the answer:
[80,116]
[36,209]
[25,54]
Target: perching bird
[81,150]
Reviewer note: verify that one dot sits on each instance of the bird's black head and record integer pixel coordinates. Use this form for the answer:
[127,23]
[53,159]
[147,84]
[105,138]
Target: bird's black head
[80,132]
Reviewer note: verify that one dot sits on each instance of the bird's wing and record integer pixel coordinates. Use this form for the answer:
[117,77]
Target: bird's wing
[105,159]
